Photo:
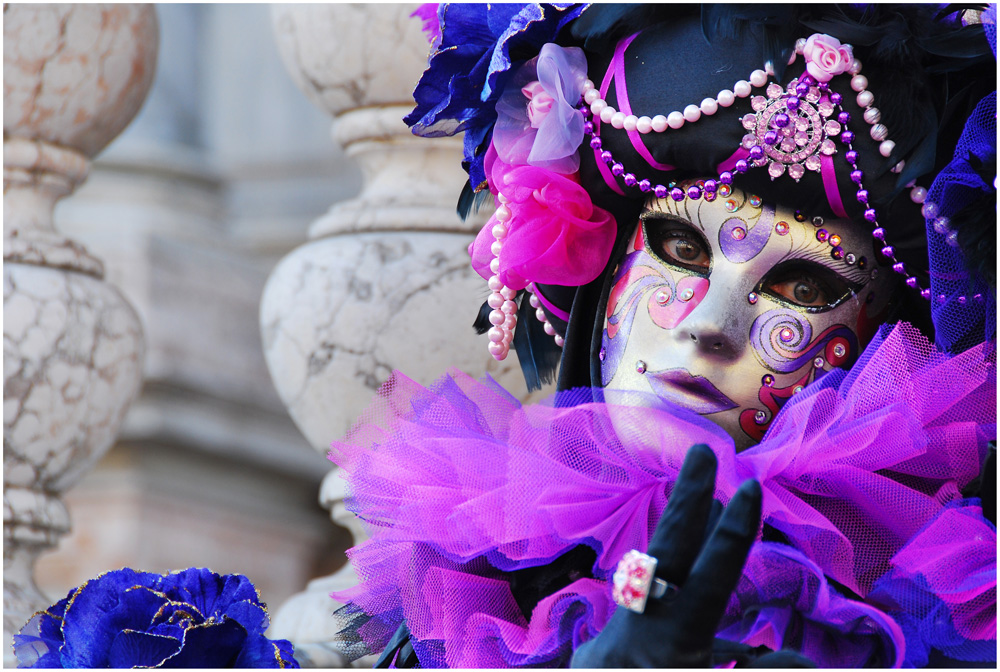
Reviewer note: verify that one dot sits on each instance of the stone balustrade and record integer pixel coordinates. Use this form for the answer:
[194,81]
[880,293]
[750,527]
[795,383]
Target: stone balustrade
[384,281]
[74,77]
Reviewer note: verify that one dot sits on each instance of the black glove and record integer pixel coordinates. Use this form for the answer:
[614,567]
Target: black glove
[679,631]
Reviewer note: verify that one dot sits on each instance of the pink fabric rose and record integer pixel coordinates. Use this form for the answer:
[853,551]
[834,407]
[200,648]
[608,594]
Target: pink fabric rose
[826,57]
[539,103]
[556,233]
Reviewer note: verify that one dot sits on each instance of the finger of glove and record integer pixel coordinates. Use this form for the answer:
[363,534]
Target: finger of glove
[679,534]
[719,566]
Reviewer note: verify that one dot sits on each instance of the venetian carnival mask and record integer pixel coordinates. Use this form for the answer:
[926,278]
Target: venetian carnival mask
[729,307]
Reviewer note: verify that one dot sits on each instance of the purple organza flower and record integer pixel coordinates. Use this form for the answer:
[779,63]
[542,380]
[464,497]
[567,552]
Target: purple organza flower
[126,618]
[537,121]
[469,68]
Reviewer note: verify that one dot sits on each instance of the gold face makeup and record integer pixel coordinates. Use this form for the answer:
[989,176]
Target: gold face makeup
[729,307]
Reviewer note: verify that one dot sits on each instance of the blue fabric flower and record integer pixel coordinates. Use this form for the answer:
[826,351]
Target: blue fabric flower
[468,69]
[125,619]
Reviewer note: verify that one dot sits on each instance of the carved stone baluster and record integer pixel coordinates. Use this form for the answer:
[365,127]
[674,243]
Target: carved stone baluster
[74,77]
[384,281]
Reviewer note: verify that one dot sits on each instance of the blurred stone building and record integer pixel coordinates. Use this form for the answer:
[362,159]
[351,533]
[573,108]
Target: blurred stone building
[190,208]
[285,244]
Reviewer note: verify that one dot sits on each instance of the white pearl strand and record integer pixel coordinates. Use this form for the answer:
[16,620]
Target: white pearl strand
[742,89]
[503,317]
[535,303]
[676,119]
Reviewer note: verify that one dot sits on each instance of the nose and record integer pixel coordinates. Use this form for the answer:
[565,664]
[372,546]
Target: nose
[712,339]
[716,328]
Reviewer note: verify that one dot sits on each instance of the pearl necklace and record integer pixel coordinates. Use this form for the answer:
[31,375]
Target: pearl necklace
[804,87]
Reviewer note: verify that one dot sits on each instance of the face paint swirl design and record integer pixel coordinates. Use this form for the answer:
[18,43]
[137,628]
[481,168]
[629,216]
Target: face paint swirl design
[740,243]
[669,300]
[781,340]
[632,281]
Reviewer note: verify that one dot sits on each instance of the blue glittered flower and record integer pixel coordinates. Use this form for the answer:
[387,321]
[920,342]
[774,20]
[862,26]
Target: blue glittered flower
[468,69]
[125,619]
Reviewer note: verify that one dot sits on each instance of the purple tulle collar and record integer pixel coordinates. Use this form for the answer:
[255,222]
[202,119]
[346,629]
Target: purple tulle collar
[460,485]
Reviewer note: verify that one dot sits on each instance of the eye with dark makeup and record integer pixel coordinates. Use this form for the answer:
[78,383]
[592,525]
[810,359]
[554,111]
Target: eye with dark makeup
[807,284]
[677,243]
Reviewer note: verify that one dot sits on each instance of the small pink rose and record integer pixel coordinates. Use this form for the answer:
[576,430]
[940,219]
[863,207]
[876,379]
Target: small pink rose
[826,57]
[539,103]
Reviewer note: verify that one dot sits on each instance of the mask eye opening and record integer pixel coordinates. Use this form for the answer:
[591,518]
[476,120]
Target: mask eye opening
[782,284]
[669,239]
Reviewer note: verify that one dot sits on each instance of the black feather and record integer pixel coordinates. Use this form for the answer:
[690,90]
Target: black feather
[536,351]
[778,26]
[967,42]
[470,201]
[482,323]
[602,25]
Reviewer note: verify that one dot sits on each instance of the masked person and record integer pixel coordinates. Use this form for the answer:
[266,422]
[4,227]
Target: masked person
[763,232]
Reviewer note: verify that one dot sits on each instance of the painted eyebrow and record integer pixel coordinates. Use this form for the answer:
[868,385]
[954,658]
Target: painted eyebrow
[665,215]
[811,251]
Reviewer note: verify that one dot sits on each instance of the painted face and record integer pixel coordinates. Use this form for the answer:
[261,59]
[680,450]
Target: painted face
[729,307]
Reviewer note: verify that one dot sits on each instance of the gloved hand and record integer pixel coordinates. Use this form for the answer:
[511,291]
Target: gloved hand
[704,560]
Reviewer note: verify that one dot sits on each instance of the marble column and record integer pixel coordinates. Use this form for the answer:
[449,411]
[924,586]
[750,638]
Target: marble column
[384,280]
[74,77]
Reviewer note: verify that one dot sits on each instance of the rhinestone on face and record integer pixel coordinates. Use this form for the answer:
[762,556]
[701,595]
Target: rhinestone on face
[863,262]
[786,335]
[755,201]
[663,297]
[834,240]
[799,217]
[819,362]
[850,259]
[725,190]
[817,221]
[839,350]
[767,380]
[781,228]
[796,389]
[732,206]
[822,235]
[752,297]
[640,366]
[760,417]
[739,233]
[686,294]
[602,354]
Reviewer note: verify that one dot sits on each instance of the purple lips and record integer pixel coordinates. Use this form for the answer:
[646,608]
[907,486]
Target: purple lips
[693,392]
